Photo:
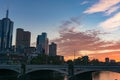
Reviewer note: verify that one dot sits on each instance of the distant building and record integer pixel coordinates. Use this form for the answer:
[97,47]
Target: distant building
[29,50]
[22,40]
[13,49]
[42,44]
[107,60]
[61,58]
[112,61]
[6,33]
[52,49]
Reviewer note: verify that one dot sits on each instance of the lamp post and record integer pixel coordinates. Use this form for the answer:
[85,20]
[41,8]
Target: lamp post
[71,68]
[74,55]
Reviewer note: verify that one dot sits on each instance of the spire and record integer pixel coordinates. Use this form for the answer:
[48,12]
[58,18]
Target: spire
[7,13]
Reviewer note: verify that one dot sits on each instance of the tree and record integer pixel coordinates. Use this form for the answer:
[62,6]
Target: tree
[94,62]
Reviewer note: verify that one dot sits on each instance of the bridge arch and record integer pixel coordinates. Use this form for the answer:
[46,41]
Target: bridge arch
[57,70]
[10,69]
[8,74]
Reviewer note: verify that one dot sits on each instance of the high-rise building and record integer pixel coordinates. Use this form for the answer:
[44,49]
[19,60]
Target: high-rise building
[22,40]
[42,44]
[52,49]
[6,32]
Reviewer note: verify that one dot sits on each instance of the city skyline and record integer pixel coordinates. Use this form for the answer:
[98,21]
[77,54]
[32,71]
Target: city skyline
[96,21]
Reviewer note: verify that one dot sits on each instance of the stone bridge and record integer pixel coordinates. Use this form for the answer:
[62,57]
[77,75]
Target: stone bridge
[60,68]
[83,69]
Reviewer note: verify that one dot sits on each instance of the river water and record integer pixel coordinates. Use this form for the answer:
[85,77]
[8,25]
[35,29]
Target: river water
[106,75]
[102,75]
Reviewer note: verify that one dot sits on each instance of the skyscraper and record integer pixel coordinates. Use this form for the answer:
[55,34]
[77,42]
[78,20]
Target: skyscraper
[42,44]
[22,40]
[6,32]
[52,49]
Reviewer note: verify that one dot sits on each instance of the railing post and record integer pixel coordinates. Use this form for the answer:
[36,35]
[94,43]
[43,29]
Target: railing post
[22,74]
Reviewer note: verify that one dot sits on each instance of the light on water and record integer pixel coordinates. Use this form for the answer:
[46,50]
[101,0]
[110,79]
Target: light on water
[106,75]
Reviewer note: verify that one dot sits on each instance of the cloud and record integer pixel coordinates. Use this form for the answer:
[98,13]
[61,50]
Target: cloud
[111,10]
[76,19]
[82,42]
[70,41]
[111,23]
[70,25]
[84,2]
[102,6]
[88,42]
[108,7]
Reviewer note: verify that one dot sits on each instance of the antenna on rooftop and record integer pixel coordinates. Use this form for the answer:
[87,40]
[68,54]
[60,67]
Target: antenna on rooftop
[7,9]
[74,54]
[7,13]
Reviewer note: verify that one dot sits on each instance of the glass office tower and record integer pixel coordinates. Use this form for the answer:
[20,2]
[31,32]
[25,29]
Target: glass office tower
[6,33]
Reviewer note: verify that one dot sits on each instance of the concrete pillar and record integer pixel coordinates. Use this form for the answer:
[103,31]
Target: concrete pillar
[71,71]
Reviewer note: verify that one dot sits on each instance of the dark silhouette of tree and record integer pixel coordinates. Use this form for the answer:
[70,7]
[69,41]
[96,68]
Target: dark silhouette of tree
[84,60]
[45,59]
[94,62]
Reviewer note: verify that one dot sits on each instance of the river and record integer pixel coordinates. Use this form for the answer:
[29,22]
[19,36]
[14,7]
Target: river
[102,75]
[106,75]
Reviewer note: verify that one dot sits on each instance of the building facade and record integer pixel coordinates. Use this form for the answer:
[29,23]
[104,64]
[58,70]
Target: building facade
[52,49]
[22,39]
[6,33]
[42,44]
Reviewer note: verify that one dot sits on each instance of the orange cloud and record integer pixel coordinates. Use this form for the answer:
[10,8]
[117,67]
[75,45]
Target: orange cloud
[83,43]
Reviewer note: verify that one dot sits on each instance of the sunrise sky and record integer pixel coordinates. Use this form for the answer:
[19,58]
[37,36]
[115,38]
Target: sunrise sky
[86,27]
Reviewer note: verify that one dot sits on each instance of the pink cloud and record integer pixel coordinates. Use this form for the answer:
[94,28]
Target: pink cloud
[102,6]
[111,10]
[83,42]
[111,23]
[70,25]
[108,7]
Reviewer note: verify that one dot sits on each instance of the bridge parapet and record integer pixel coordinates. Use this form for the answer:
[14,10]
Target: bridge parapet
[59,68]
[82,69]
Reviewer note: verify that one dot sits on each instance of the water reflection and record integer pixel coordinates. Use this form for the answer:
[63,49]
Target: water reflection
[106,75]
[45,75]
[101,75]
